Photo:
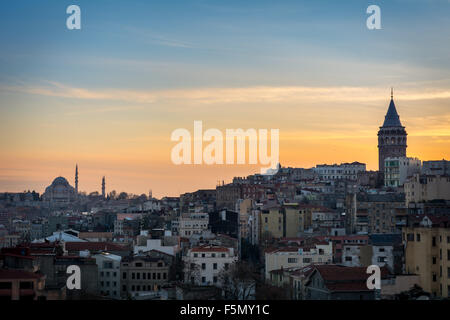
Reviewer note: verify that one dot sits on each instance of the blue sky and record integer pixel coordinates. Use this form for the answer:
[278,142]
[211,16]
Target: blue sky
[160,44]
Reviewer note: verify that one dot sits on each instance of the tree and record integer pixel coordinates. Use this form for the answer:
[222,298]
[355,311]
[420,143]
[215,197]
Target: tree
[191,272]
[239,281]
[122,196]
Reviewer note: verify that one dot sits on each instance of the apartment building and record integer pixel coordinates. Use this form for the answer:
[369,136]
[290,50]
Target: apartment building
[204,264]
[427,252]
[420,188]
[143,274]
[297,256]
[108,274]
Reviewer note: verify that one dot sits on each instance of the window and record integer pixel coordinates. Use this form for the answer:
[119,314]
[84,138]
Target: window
[226,266]
[215,266]
[203,266]
[124,288]
[434,277]
[215,279]
[159,276]
[448,272]
[381,250]
[213,255]
[348,258]
[124,275]
[203,279]
[292,260]
[434,242]
[223,255]
[434,260]
[195,255]
[107,265]
[164,276]
[138,275]
[132,275]
[138,264]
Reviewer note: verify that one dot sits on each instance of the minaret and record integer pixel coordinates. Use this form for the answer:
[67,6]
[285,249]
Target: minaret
[391,136]
[103,187]
[76,179]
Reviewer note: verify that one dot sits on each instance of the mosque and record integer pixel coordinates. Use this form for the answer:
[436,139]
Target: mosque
[60,192]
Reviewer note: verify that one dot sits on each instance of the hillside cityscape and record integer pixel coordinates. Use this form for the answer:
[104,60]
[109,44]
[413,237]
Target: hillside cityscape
[299,234]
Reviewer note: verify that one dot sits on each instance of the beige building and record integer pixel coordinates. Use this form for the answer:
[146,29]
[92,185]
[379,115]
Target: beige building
[419,188]
[192,223]
[289,220]
[297,257]
[427,253]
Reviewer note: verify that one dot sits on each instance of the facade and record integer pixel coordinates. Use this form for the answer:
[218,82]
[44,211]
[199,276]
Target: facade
[143,274]
[343,171]
[228,195]
[427,253]
[421,188]
[108,274]
[375,213]
[192,223]
[391,137]
[398,169]
[436,167]
[297,256]
[287,220]
[21,285]
[204,264]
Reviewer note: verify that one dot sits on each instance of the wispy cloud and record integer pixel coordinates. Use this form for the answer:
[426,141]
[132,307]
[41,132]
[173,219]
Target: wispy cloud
[259,94]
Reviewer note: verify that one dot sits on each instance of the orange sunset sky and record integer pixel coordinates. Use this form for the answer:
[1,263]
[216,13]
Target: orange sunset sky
[107,97]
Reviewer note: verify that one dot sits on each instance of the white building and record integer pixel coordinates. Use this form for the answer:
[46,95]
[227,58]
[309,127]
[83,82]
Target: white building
[204,264]
[108,274]
[343,171]
[192,223]
[397,169]
[298,257]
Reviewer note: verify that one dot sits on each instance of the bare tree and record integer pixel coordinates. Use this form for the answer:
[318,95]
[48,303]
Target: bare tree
[239,281]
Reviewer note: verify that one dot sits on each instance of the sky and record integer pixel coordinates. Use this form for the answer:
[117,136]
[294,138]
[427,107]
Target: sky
[107,97]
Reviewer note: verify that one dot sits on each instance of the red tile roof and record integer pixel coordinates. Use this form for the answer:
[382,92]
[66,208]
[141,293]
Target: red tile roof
[94,246]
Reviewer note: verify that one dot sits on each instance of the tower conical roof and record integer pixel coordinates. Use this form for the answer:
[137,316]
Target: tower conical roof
[392,118]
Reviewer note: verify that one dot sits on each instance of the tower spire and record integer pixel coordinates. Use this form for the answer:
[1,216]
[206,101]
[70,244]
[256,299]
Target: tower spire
[392,93]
